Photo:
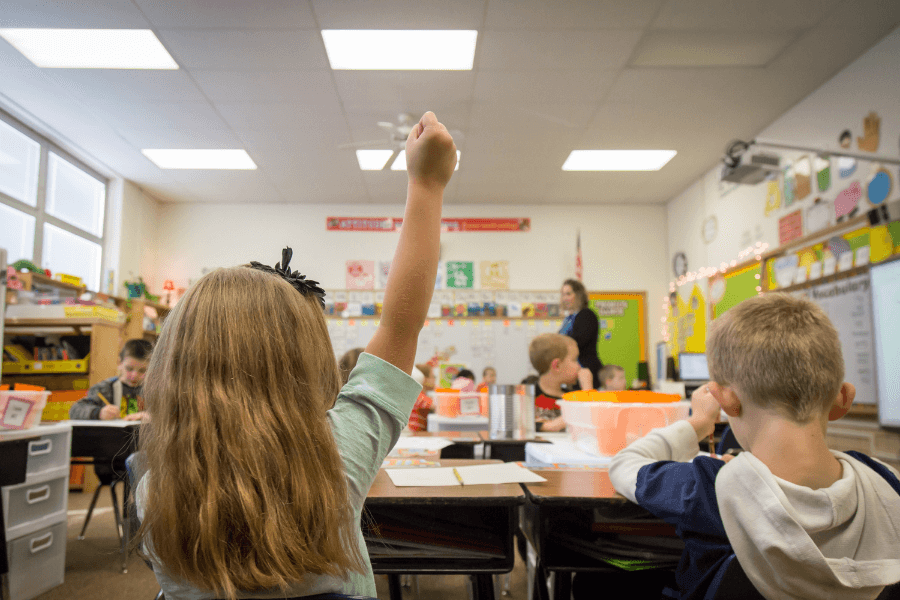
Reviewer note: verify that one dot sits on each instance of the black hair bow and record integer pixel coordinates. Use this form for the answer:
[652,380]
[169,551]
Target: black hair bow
[305,286]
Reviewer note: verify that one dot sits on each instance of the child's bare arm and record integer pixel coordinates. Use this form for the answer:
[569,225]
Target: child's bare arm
[430,159]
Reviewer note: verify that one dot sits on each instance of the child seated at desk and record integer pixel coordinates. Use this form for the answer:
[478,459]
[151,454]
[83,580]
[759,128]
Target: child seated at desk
[787,518]
[612,379]
[555,357]
[488,378]
[118,397]
[256,475]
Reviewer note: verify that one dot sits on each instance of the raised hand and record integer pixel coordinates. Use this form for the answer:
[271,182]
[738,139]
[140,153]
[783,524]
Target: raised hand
[430,153]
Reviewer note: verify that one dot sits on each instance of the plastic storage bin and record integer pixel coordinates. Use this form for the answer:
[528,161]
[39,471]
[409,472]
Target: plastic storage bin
[453,403]
[21,410]
[604,428]
[37,562]
[35,504]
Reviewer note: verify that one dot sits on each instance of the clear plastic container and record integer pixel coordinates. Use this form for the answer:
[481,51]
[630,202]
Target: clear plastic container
[604,428]
[453,403]
[21,410]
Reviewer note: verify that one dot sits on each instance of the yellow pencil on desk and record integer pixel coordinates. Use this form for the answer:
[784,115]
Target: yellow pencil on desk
[458,476]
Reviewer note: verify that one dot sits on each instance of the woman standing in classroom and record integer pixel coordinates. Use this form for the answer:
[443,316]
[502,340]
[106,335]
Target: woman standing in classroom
[581,324]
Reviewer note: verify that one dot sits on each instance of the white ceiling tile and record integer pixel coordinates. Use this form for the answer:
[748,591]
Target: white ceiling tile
[557,124]
[546,49]
[319,125]
[322,176]
[710,48]
[246,50]
[395,92]
[203,14]
[543,87]
[188,116]
[98,14]
[265,86]
[399,14]
[181,138]
[126,86]
[741,15]
[301,137]
[592,14]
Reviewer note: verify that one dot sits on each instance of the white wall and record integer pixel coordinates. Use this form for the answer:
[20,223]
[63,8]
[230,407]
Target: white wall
[871,83]
[138,240]
[623,247]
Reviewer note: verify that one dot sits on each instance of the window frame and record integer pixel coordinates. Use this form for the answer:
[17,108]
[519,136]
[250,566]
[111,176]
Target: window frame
[38,211]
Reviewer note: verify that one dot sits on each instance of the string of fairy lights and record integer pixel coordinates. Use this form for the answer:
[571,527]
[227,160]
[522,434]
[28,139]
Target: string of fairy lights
[705,273]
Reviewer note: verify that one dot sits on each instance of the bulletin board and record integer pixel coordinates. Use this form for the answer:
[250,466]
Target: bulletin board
[740,285]
[623,329]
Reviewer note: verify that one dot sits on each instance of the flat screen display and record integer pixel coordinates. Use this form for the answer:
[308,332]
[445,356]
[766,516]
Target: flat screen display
[692,367]
[885,282]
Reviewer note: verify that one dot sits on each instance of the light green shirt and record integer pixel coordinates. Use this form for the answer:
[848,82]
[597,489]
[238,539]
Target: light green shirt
[371,411]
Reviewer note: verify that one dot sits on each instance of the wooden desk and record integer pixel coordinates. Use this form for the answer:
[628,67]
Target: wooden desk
[464,442]
[572,506]
[454,530]
[507,450]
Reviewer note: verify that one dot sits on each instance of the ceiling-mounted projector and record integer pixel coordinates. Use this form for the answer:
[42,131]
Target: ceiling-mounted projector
[746,166]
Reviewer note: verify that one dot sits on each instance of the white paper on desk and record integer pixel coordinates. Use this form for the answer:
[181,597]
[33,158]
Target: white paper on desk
[421,443]
[441,476]
[497,473]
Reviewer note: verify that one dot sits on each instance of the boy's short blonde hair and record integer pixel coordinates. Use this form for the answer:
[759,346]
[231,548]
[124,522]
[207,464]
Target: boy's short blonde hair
[546,347]
[609,371]
[779,352]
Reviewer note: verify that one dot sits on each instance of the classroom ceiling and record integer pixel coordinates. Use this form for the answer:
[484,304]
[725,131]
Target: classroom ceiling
[550,76]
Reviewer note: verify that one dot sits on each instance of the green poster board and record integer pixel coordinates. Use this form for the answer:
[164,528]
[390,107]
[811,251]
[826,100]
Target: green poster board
[623,333]
[460,274]
[739,285]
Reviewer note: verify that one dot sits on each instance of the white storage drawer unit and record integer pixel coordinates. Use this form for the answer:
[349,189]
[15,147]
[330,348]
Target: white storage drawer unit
[37,561]
[49,451]
[34,504]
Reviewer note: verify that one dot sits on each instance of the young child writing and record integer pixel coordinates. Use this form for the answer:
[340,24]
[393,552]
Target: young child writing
[793,517]
[118,397]
[256,475]
[555,357]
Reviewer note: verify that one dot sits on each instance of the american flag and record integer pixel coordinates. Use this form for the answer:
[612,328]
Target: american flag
[579,267]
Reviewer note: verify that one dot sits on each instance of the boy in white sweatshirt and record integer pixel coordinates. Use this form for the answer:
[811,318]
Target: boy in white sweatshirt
[788,515]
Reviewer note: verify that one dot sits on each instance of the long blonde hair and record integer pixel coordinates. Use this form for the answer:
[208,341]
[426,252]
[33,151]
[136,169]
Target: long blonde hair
[246,488]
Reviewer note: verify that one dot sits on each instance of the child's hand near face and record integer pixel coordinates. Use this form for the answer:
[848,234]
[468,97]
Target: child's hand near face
[704,411]
[430,153]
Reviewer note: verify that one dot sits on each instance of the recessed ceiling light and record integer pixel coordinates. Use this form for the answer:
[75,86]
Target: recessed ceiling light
[400,49]
[399,163]
[200,159]
[373,160]
[90,48]
[617,160]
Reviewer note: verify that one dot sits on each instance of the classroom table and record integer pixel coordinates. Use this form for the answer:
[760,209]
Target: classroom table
[453,530]
[464,442]
[563,513]
[508,450]
[438,423]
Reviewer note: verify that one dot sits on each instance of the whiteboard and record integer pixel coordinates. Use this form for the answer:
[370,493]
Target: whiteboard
[848,304]
[475,343]
[886,322]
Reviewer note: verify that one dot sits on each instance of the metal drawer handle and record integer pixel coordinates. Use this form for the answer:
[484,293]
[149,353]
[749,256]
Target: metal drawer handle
[35,448]
[38,543]
[36,495]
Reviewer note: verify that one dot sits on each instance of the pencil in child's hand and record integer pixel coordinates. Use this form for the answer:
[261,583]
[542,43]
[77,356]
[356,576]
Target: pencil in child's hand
[102,397]
[712,445]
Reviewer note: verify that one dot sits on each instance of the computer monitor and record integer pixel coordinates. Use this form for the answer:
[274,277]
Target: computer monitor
[885,286]
[692,367]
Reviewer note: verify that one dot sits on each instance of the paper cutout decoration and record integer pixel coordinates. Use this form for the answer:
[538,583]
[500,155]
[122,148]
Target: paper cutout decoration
[845,139]
[460,274]
[790,227]
[880,186]
[494,274]
[846,166]
[823,173]
[785,269]
[803,178]
[846,203]
[881,244]
[818,216]
[716,288]
[360,274]
[838,246]
[384,268]
[871,133]
[790,186]
[773,197]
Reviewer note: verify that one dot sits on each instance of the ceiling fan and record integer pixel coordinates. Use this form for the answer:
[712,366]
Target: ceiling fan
[395,141]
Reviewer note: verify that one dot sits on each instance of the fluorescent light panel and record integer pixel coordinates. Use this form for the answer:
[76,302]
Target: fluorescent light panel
[373,160]
[90,48]
[617,160]
[200,159]
[399,163]
[400,49]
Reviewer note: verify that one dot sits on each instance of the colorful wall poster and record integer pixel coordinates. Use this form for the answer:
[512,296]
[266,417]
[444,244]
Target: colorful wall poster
[623,335]
[822,167]
[790,227]
[360,274]
[740,284]
[691,334]
[802,178]
[494,274]
[460,274]
[773,197]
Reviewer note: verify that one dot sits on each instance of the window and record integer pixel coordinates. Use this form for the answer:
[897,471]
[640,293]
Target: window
[52,207]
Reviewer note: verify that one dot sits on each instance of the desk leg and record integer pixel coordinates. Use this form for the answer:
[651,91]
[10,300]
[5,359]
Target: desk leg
[394,586]
[539,585]
[562,585]
[482,586]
